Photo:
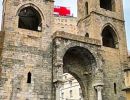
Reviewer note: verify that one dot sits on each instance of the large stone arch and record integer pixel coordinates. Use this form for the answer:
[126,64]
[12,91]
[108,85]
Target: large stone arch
[88,51]
[81,64]
[89,47]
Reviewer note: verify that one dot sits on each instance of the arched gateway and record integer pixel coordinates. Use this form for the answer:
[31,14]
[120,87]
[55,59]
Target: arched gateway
[82,62]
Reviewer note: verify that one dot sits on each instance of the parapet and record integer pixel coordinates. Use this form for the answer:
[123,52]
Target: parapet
[65,35]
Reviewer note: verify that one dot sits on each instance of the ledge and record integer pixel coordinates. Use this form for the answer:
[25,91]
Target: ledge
[126,69]
[126,89]
[64,35]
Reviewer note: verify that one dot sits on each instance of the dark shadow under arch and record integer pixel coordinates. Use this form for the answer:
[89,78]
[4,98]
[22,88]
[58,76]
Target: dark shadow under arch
[80,63]
[29,18]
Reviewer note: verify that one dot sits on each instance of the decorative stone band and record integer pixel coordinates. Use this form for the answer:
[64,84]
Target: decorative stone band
[127,69]
[99,88]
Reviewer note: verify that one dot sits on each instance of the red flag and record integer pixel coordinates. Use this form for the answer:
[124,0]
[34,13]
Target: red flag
[62,11]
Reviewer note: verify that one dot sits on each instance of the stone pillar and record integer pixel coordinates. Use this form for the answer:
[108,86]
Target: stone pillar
[58,85]
[99,92]
[57,81]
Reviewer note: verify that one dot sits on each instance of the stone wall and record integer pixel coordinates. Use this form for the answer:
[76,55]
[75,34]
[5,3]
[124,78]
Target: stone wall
[27,51]
[42,53]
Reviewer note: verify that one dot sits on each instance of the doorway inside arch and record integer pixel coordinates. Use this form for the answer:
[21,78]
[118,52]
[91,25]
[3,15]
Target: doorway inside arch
[78,67]
[70,88]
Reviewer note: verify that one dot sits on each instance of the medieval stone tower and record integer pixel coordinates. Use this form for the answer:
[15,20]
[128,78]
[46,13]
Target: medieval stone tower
[33,58]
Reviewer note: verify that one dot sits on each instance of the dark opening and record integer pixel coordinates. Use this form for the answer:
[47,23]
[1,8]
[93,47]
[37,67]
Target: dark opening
[29,18]
[29,78]
[106,4]
[108,37]
[115,91]
[86,35]
[86,8]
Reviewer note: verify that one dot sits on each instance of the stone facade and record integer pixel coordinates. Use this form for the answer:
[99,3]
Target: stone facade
[33,61]
[127,79]
[65,23]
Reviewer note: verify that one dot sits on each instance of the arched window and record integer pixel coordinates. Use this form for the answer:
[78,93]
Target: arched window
[86,8]
[29,77]
[29,18]
[109,37]
[107,4]
[86,35]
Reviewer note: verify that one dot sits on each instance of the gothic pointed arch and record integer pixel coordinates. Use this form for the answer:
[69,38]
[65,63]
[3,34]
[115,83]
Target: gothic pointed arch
[109,37]
[30,17]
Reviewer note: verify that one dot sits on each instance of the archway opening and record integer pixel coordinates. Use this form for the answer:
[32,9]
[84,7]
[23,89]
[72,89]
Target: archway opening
[107,4]
[70,89]
[109,37]
[29,18]
[80,63]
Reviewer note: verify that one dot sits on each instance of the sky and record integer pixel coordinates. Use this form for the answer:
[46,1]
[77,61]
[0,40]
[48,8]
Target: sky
[72,5]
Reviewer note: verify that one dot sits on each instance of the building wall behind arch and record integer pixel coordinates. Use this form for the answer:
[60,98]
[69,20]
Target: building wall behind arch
[26,51]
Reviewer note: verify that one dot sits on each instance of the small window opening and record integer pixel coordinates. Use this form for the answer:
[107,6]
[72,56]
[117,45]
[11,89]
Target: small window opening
[29,77]
[109,38]
[107,4]
[70,82]
[71,95]
[29,18]
[115,91]
[86,8]
[86,35]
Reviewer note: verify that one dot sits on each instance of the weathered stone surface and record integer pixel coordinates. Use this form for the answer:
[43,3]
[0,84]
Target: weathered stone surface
[47,55]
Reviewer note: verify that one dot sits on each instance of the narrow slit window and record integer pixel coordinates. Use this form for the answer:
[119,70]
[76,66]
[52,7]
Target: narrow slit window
[86,8]
[115,90]
[29,77]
